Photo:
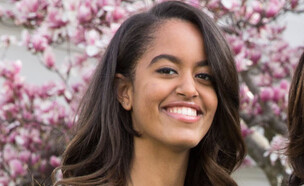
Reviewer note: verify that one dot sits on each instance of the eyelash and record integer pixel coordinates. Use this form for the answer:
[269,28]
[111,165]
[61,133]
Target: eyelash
[166,71]
[170,71]
[205,77]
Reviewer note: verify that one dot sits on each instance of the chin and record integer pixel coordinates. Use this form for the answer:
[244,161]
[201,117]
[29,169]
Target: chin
[183,144]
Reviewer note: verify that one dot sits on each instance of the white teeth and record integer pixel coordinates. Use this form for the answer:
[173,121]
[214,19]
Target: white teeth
[183,110]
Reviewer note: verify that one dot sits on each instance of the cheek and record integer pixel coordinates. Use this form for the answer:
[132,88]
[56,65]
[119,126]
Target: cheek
[147,97]
[211,100]
[151,93]
[144,97]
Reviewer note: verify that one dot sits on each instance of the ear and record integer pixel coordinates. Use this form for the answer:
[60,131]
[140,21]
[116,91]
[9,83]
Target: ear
[124,91]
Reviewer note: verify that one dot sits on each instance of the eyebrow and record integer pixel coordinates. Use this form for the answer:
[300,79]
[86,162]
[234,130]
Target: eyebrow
[175,60]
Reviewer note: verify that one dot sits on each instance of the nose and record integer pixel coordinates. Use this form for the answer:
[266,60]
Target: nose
[186,87]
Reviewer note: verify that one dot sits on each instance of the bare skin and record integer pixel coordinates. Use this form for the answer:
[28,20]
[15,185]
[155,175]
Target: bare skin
[154,166]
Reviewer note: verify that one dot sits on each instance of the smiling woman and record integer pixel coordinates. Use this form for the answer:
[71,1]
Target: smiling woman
[162,107]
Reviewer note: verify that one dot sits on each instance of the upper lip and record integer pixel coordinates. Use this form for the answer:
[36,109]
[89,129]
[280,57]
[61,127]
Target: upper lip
[184,104]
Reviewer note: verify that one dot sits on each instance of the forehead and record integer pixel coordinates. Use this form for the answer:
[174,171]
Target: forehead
[177,30]
[178,38]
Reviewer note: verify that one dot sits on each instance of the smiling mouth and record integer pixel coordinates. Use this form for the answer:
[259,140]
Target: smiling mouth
[184,114]
[187,111]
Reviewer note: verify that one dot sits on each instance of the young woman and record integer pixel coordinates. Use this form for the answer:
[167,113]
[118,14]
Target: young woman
[295,150]
[162,107]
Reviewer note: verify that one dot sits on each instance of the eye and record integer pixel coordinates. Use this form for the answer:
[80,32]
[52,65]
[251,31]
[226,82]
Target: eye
[166,70]
[205,77]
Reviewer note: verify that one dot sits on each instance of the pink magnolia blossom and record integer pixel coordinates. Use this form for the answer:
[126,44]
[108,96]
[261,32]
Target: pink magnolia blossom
[11,72]
[46,90]
[10,111]
[254,55]
[49,34]
[49,58]
[284,84]
[25,156]
[78,36]
[119,13]
[257,109]
[70,5]
[237,46]
[294,3]
[43,166]
[56,18]
[31,92]
[242,63]
[236,43]
[257,6]
[255,18]
[245,94]
[247,162]
[84,13]
[92,36]
[54,161]
[245,131]
[278,94]
[17,66]
[27,115]
[22,139]
[4,181]
[9,14]
[278,143]
[231,4]
[266,94]
[16,168]
[28,6]
[38,43]
[68,97]
[35,158]
[273,8]
[9,152]
[277,146]
[56,3]
[213,4]
[87,75]
[276,109]
[35,136]
[195,3]
[79,60]
[30,11]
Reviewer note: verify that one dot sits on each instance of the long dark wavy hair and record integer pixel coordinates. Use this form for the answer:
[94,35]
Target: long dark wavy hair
[295,149]
[102,149]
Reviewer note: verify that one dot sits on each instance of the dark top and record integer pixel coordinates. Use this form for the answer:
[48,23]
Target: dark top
[295,181]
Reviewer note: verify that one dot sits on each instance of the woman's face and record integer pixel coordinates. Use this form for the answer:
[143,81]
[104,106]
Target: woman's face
[172,97]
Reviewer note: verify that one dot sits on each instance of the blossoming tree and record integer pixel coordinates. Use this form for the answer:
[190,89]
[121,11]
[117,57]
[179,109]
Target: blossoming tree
[36,120]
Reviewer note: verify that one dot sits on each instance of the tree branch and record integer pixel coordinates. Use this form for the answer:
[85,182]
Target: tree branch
[249,82]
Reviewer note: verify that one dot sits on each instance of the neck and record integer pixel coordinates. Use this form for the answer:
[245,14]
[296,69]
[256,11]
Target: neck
[156,165]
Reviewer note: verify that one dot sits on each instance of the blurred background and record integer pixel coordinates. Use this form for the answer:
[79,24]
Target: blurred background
[49,48]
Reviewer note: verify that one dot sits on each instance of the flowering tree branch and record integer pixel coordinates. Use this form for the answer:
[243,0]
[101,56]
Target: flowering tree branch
[257,148]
